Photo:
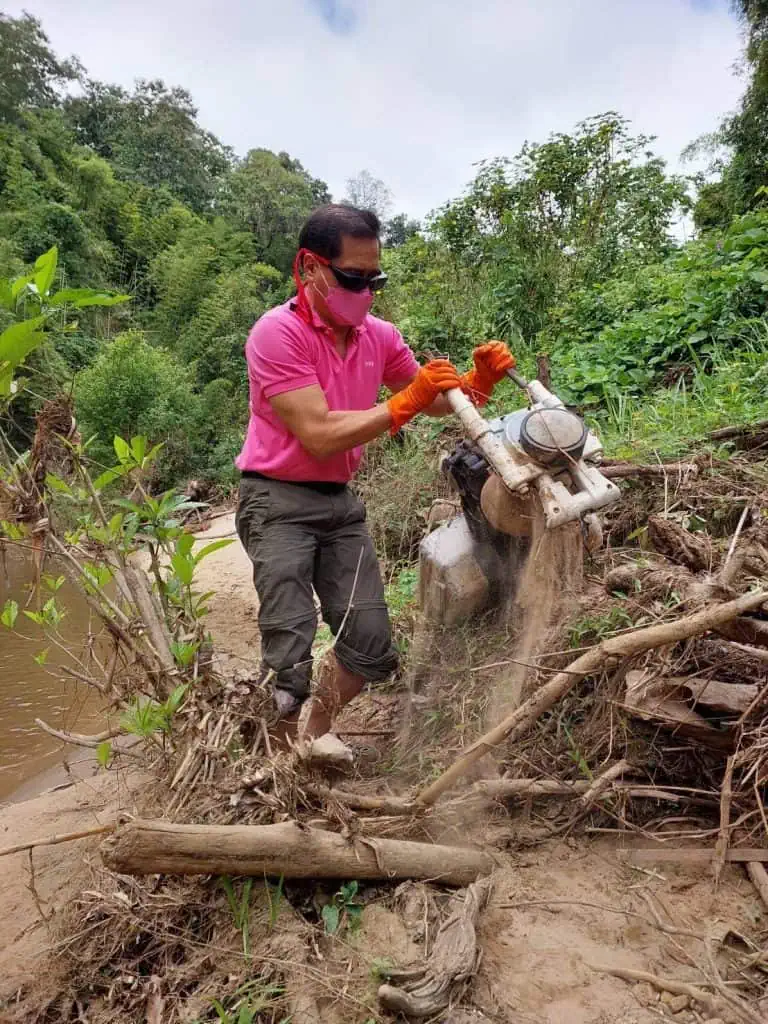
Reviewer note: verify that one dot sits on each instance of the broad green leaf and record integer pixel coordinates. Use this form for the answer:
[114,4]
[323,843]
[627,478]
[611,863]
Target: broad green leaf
[122,449]
[104,753]
[330,915]
[55,483]
[183,653]
[185,543]
[139,448]
[35,617]
[184,568]
[82,297]
[213,546]
[20,283]
[109,476]
[115,523]
[45,270]
[9,613]
[14,341]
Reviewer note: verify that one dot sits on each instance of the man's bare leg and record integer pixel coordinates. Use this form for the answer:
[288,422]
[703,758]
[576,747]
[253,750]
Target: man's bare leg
[336,687]
[285,731]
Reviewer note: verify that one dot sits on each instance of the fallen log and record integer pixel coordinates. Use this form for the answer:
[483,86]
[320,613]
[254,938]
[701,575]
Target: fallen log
[287,849]
[626,645]
[425,990]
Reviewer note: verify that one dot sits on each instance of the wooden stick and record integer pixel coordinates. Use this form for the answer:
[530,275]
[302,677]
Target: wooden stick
[759,877]
[287,849]
[504,789]
[620,470]
[725,432]
[678,988]
[66,837]
[693,855]
[78,739]
[155,625]
[600,784]
[724,835]
[758,653]
[638,641]
[361,802]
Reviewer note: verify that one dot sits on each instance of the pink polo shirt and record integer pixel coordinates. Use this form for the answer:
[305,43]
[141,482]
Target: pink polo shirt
[285,353]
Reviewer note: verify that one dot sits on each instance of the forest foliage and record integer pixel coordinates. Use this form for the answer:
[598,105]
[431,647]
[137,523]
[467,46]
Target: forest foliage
[572,246]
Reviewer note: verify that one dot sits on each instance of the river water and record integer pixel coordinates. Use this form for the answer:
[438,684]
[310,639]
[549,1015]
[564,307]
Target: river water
[29,691]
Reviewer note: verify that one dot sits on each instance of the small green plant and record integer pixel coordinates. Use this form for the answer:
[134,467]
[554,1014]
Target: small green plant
[343,911]
[33,293]
[49,615]
[593,628]
[576,755]
[381,969]
[275,899]
[145,717]
[10,613]
[240,908]
[248,1003]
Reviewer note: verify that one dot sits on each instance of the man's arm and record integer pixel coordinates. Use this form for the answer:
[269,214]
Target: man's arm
[324,433]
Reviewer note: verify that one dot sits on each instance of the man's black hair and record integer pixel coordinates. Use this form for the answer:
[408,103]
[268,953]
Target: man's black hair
[324,230]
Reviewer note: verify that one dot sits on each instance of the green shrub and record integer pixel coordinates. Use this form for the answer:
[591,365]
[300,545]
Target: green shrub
[621,337]
[133,388]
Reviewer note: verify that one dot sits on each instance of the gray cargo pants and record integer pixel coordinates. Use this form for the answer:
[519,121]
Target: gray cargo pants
[299,537]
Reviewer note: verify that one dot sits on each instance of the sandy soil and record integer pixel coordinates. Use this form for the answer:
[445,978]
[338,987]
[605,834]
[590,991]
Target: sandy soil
[59,871]
[537,958]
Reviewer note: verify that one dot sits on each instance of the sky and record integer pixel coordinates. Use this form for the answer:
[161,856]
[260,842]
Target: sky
[415,91]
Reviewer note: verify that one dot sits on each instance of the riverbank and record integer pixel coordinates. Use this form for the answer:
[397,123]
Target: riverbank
[75,794]
[35,888]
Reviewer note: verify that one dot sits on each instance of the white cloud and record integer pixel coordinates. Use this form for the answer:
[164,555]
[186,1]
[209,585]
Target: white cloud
[414,90]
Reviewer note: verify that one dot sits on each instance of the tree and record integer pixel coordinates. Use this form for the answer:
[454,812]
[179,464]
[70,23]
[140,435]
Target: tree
[320,194]
[399,229]
[30,73]
[271,196]
[368,193]
[743,170]
[152,136]
[571,211]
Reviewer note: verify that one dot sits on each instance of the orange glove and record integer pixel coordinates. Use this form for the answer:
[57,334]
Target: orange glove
[492,360]
[437,376]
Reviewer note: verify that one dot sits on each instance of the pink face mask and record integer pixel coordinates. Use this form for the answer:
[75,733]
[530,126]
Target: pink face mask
[347,308]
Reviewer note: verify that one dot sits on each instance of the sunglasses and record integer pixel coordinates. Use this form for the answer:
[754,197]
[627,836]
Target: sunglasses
[356,282]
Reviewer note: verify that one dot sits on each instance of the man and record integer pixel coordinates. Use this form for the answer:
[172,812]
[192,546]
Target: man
[316,365]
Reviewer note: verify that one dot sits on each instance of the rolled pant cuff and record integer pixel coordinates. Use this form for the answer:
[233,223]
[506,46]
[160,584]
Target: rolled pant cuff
[373,670]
